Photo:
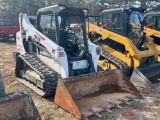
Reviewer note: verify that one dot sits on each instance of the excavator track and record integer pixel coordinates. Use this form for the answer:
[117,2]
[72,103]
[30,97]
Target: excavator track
[118,63]
[45,86]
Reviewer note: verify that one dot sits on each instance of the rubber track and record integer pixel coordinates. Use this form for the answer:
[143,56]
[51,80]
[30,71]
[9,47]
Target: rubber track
[123,66]
[49,76]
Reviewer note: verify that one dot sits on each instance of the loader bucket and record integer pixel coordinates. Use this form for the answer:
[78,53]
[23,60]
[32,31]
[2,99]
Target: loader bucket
[147,76]
[18,106]
[89,94]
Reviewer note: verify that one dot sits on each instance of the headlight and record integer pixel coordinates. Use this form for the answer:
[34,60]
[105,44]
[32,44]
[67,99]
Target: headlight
[98,50]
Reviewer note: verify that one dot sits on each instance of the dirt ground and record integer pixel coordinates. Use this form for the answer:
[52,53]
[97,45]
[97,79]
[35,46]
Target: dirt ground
[141,109]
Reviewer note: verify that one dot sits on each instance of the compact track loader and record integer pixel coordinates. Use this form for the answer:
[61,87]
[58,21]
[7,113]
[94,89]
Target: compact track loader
[120,34]
[17,106]
[57,59]
[152,28]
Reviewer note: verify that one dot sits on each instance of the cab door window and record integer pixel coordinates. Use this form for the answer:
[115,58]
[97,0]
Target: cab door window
[47,25]
[113,22]
[150,22]
[158,22]
[135,20]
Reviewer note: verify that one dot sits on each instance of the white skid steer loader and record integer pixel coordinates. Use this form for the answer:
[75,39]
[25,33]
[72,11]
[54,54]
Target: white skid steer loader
[55,58]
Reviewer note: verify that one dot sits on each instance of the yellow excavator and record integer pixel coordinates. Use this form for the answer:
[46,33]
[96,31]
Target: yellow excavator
[56,59]
[17,106]
[152,28]
[120,34]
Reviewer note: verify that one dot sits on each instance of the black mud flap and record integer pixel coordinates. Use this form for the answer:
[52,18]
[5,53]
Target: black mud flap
[147,76]
[18,106]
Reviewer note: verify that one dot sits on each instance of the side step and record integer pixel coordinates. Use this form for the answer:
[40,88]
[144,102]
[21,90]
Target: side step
[31,86]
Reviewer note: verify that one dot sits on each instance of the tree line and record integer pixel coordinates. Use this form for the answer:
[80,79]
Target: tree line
[10,9]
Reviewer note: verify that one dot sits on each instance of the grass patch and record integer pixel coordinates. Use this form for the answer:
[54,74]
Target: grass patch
[49,117]
[8,89]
